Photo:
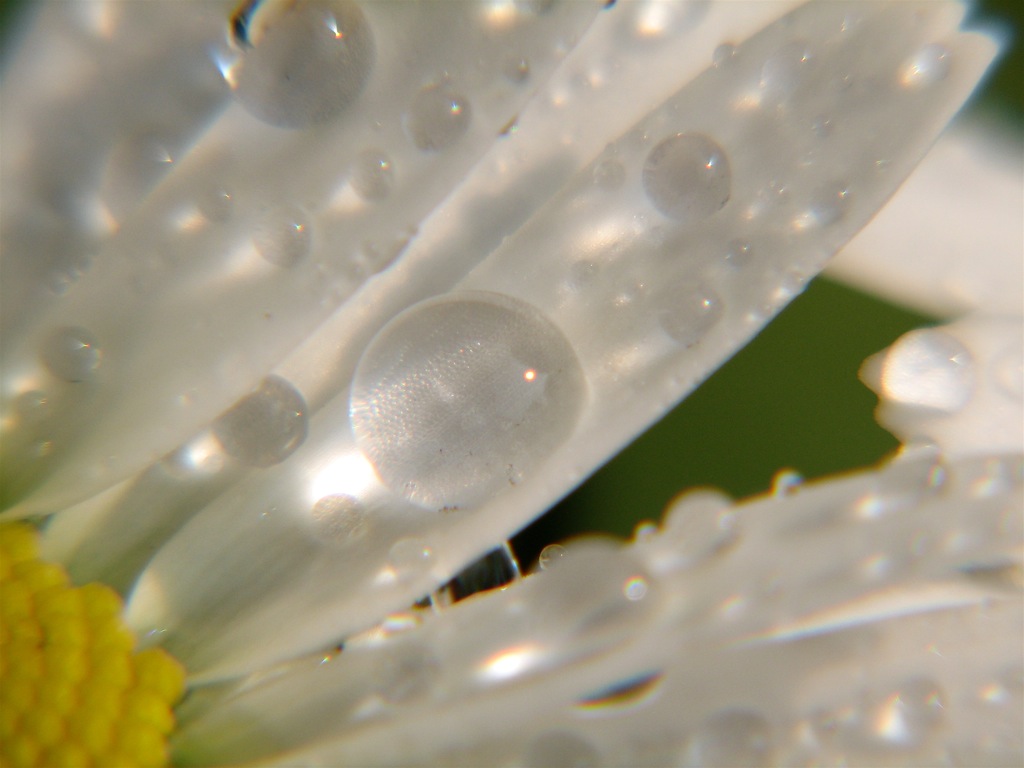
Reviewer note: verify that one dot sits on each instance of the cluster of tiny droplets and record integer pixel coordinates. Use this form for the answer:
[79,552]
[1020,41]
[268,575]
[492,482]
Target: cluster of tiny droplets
[72,692]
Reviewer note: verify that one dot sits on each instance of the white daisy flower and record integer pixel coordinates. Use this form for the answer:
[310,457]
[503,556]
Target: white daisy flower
[308,306]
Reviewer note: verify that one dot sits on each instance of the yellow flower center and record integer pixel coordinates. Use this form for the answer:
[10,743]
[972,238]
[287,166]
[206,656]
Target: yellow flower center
[72,692]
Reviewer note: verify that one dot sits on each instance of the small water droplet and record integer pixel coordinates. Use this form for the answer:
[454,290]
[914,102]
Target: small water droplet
[635,588]
[822,127]
[609,174]
[1008,372]
[560,749]
[377,255]
[738,253]
[339,518]
[265,427]
[454,391]
[701,523]
[517,69]
[687,315]
[71,354]
[784,72]
[32,407]
[216,205]
[786,482]
[303,62]
[410,557]
[826,206]
[284,237]
[904,483]
[550,556]
[927,67]
[687,177]
[723,54]
[372,174]
[732,737]
[437,117]
[911,712]
[928,369]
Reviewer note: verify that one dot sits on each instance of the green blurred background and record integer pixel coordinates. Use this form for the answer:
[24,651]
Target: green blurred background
[791,399]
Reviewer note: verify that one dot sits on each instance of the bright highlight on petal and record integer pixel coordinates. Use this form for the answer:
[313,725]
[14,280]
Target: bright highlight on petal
[72,693]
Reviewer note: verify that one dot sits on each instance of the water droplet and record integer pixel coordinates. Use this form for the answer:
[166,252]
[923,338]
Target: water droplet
[635,588]
[738,253]
[339,518]
[826,207]
[303,62]
[786,482]
[609,174]
[903,484]
[284,237]
[784,71]
[517,69]
[410,557]
[372,174]
[723,54]
[927,67]
[822,127]
[687,315]
[265,427]
[32,407]
[550,556]
[437,117]
[911,712]
[1008,372]
[730,738]
[928,369]
[701,523]
[687,177]
[377,255]
[560,749]
[71,354]
[216,205]
[456,396]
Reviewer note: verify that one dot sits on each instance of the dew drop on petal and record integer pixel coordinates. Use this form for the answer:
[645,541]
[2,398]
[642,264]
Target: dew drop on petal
[216,205]
[437,117]
[701,523]
[560,748]
[517,70]
[456,398]
[784,71]
[71,354]
[927,67]
[827,205]
[303,61]
[687,177]
[265,427]
[723,54]
[738,253]
[410,557]
[339,518]
[928,369]
[550,556]
[32,407]
[687,315]
[284,237]
[910,713]
[731,737]
[372,174]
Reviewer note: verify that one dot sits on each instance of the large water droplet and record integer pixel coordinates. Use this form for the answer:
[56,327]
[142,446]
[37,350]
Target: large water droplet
[284,237]
[560,749]
[927,67]
[457,398]
[687,177]
[372,174]
[688,314]
[731,737]
[437,117]
[304,61]
[71,354]
[928,369]
[265,427]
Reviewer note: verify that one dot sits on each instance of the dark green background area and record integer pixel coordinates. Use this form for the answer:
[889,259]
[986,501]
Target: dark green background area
[790,399]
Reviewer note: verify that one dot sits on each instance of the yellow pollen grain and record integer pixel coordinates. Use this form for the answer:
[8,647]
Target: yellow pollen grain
[72,691]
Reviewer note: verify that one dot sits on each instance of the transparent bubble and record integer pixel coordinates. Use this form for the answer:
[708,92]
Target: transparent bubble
[550,555]
[687,177]
[560,749]
[910,713]
[927,67]
[265,427]
[786,482]
[303,61]
[339,518]
[731,737]
[928,369]
[457,398]
[71,354]
[284,237]
[687,314]
[372,174]
[437,117]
